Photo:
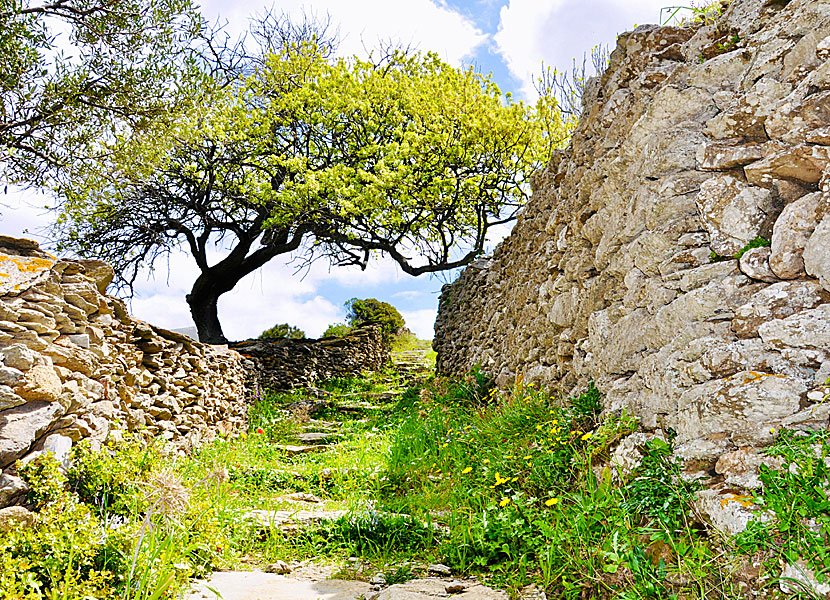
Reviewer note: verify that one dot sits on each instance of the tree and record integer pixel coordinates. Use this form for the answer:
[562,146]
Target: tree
[337,330]
[315,157]
[122,67]
[283,330]
[371,310]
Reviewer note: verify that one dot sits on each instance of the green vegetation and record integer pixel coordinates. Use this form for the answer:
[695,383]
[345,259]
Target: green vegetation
[370,310]
[514,486]
[705,13]
[128,65]
[335,158]
[283,330]
[758,242]
[338,330]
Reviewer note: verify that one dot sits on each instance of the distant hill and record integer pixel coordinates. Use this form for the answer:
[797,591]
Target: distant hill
[190,332]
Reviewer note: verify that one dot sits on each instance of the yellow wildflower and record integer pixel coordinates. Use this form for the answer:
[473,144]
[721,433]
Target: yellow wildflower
[486,461]
[586,436]
[528,457]
[500,480]
[551,501]
[466,470]
[504,502]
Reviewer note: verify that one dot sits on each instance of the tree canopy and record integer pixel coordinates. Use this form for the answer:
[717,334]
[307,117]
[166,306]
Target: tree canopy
[283,331]
[371,310]
[315,156]
[118,66]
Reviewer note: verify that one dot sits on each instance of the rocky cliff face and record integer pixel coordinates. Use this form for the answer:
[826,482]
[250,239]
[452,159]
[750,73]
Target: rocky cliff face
[621,270]
[74,364]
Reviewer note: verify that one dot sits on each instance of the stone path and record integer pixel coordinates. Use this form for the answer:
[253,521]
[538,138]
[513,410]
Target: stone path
[257,585]
[301,581]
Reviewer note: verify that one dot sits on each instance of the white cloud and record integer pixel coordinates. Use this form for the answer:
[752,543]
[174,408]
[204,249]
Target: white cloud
[421,322]
[559,31]
[363,23]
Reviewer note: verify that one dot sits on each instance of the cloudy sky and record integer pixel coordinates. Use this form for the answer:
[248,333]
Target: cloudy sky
[510,38]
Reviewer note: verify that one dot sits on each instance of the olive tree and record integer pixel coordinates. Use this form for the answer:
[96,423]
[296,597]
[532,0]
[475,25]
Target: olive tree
[118,65]
[312,156]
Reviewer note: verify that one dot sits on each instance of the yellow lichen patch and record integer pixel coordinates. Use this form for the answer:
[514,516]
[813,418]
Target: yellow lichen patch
[743,499]
[30,265]
[754,376]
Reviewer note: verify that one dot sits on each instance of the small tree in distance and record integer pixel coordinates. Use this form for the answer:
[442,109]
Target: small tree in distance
[376,311]
[283,330]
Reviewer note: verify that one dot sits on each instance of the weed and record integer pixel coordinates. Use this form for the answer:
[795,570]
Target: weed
[758,242]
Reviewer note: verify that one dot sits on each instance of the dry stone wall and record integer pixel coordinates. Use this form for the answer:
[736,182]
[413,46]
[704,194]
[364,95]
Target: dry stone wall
[282,364]
[74,365]
[695,141]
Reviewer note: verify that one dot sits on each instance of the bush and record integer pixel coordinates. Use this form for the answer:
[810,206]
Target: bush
[283,330]
[371,310]
[337,330]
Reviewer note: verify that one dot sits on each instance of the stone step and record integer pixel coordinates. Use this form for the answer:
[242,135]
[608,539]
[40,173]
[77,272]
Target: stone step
[256,585]
[317,437]
[296,450]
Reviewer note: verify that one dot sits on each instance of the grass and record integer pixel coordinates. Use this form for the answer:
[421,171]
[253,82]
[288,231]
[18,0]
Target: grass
[513,486]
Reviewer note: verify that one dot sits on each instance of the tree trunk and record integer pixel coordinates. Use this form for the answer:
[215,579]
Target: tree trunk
[203,300]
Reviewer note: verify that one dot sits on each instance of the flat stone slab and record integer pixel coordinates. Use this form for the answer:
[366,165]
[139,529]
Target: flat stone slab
[427,589]
[290,519]
[256,585]
[316,437]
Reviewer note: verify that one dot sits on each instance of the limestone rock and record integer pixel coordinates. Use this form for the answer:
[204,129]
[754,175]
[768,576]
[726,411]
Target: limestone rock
[15,516]
[40,383]
[235,585]
[12,489]
[737,403]
[741,467]
[777,301]
[100,272]
[817,253]
[22,265]
[807,329]
[55,445]
[22,425]
[733,213]
[18,356]
[720,157]
[791,232]
[727,510]
[754,263]
[8,399]
[803,163]
[798,577]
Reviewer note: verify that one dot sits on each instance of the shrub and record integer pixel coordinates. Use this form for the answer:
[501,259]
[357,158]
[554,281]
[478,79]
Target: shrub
[371,310]
[283,330]
[337,330]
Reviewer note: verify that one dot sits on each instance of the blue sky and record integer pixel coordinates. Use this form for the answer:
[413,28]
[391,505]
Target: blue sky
[509,38]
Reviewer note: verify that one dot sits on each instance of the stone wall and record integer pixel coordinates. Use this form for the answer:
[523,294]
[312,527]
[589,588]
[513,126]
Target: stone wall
[695,141]
[74,364]
[283,363]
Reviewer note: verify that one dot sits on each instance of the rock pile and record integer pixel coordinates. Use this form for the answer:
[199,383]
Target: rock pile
[695,142]
[74,364]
